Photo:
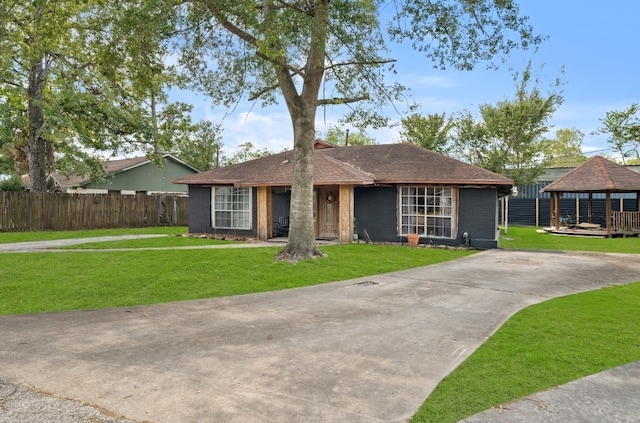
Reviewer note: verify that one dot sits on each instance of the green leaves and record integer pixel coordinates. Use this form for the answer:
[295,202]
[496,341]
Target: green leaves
[462,33]
[623,128]
[103,77]
[508,139]
[431,132]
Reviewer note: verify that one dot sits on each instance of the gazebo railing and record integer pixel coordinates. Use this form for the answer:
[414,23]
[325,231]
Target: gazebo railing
[621,220]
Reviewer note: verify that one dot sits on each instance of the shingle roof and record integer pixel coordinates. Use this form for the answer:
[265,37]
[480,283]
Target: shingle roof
[356,165]
[596,175]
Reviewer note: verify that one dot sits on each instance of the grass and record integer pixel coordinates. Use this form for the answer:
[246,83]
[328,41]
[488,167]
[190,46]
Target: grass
[526,237]
[42,282]
[542,346]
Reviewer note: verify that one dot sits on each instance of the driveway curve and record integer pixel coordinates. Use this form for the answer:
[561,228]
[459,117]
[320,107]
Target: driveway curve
[364,350]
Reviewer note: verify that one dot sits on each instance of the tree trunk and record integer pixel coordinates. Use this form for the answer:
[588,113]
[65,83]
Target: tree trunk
[302,235]
[302,109]
[37,144]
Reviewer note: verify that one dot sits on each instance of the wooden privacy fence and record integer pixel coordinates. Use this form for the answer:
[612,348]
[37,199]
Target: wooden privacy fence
[27,211]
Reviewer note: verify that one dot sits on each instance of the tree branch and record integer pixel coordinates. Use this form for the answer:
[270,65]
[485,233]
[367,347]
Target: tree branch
[265,90]
[247,38]
[341,100]
[358,63]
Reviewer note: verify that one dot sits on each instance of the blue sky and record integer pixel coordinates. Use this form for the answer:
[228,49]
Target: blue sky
[596,42]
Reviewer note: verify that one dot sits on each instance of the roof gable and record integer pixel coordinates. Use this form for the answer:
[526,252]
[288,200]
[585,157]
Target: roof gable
[596,175]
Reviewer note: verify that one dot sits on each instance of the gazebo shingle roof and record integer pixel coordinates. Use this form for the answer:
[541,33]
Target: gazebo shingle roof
[597,175]
[355,165]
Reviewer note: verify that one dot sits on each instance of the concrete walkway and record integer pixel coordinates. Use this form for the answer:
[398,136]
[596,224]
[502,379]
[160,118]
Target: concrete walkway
[612,396]
[365,350]
[39,246]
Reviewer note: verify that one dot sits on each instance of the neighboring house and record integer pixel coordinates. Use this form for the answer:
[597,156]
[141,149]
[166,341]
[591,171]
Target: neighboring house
[381,192]
[127,176]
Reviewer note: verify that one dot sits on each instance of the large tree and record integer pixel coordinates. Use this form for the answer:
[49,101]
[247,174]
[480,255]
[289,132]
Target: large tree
[337,136]
[200,148]
[301,48]
[245,152]
[508,138]
[80,80]
[431,132]
[623,129]
[565,150]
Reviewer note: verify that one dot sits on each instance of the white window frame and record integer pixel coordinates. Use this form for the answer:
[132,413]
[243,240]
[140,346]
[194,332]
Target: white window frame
[238,205]
[427,210]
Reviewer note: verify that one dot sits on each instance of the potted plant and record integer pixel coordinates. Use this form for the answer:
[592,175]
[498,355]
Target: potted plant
[413,238]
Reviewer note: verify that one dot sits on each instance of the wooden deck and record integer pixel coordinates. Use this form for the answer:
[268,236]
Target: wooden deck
[598,232]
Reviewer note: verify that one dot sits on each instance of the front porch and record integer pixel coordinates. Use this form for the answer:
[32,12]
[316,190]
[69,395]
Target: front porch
[333,214]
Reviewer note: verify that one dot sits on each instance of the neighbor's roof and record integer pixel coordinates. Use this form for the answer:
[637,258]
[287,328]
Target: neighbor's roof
[596,175]
[356,165]
[113,167]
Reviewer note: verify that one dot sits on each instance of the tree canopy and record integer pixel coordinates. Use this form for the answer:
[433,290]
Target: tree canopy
[623,128]
[508,139]
[565,150]
[431,132]
[337,136]
[80,80]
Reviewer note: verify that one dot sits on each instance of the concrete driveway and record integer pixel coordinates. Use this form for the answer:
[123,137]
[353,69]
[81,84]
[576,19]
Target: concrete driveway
[363,350]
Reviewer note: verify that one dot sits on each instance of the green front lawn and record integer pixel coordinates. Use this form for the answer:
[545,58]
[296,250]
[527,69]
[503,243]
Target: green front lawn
[41,282]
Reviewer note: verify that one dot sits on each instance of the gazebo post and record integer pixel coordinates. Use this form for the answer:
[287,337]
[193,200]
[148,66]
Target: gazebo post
[590,211]
[556,209]
[608,212]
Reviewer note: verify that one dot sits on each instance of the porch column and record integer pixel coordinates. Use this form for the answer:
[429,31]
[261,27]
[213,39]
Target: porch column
[265,224]
[346,213]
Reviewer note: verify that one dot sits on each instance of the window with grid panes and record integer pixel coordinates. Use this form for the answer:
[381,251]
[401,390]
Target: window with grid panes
[231,208]
[426,211]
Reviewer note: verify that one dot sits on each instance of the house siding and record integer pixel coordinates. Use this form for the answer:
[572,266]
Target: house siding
[146,177]
[200,214]
[375,210]
[477,215]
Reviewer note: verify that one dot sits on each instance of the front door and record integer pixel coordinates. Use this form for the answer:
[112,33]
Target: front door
[327,213]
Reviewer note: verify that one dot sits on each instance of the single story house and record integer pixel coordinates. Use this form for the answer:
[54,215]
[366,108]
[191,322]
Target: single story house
[126,176]
[379,192]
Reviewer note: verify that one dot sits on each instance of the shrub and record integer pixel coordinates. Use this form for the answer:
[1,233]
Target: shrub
[14,183]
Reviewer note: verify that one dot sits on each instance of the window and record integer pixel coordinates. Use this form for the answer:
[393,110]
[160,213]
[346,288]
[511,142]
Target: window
[426,211]
[231,208]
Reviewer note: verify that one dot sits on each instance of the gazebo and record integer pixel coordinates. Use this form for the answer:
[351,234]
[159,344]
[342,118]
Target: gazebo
[598,175]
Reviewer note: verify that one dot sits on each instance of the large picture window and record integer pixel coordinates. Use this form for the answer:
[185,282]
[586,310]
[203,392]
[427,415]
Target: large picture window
[231,208]
[427,211]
